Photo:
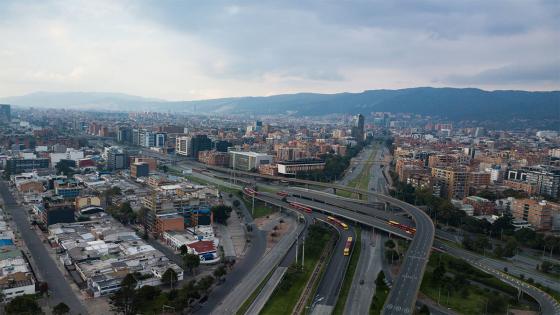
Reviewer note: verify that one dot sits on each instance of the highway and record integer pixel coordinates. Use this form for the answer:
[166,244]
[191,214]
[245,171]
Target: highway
[369,265]
[241,292]
[241,268]
[329,287]
[331,283]
[547,303]
[59,288]
[405,287]
[416,263]
[416,259]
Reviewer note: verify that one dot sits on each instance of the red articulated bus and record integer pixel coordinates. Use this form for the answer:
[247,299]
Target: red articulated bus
[250,192]
[282,194]
[301,207]
[404,227]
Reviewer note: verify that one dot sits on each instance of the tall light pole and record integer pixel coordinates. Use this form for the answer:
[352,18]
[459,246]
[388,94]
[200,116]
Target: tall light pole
[303,254]
[297,247]
[253,206]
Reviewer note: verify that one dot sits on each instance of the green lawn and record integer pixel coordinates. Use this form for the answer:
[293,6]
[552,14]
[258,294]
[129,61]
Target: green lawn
[464,288]
[287,294]
[260,209]
[339,308]
[381,293]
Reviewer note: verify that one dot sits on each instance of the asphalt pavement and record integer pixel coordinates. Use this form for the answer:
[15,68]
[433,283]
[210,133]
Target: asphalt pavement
[59,288]
[241,268]
[330,284]
[363,285]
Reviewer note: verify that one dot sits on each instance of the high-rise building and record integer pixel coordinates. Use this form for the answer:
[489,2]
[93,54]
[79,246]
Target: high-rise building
[160,139]
[191,146]
[544,178]
[200,143]
[135,136]
[182,145]
[147,138]
[116,159]
[5,113]
[124,135]
[454,181]
[358,131]
[537,213]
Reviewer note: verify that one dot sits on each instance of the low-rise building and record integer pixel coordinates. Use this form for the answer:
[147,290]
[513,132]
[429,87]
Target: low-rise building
[537,213]
[482,206]
[300,166]
[103,252]
[248,161]
[214,158]
[139,170]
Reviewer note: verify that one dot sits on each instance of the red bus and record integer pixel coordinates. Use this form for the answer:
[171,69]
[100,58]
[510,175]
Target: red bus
[404,227]
[250,191]
[301,207]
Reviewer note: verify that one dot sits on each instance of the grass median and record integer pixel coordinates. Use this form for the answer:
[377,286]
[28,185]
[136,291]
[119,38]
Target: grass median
[260,209]
[287,294]
[461,287]
[362,180]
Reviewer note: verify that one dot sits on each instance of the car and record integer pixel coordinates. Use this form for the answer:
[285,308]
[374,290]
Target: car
[362,281]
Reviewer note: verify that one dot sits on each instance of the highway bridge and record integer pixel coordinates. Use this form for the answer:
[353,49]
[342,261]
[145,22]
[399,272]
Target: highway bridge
[402,298]
[405,288]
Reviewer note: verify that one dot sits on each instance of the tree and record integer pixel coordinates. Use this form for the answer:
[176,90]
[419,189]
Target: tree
[184,250]
[169,277]
[499,251]
[438,273]
[205,284]
[546,266]
[191,262]
[188,293]
[143,218]
[221,213]
[123,213]
[23,304]
[380,280]
[390,244]
[124,300]
[65,167]
[424,310]
[220,272]
[60,309]
[496,304]
[511,247]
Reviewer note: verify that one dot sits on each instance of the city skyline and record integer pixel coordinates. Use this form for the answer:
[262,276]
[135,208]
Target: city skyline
[185,51]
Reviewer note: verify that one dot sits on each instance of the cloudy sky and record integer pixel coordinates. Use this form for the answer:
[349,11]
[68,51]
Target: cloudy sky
[184,50]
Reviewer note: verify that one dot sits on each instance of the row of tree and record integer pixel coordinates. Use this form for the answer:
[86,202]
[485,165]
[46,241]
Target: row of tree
[27,304]
[130,300]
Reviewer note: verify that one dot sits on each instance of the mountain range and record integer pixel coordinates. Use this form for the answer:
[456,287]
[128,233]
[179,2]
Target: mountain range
[451,103]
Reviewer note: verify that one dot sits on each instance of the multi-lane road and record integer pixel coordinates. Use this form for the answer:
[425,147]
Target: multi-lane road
[369,264]
[59,288]
[404,298]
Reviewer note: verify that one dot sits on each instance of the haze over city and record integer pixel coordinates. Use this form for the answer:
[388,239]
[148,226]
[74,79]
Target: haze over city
[199,50]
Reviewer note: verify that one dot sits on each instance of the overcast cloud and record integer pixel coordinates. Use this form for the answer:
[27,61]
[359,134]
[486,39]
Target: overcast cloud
[183,50]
